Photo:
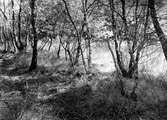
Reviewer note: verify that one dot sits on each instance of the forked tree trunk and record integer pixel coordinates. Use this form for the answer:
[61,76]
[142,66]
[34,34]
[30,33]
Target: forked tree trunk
[114,29]
[19,45]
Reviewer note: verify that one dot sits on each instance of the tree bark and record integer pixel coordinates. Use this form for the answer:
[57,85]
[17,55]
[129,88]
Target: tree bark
[13,27]
[35,52]
[89,53]
[21,46]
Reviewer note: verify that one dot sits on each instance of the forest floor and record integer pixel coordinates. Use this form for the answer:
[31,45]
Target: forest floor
[57,92]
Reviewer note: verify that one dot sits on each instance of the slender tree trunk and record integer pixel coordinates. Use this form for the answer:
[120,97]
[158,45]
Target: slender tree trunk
[113,56]
[78,53]
[27,31]
[21,45]
[51,41]
[89,53]
[59,49]
[83,60]
[35,52]
[4,38]
[159,31]
[65,52]
[13,27]
[5,46]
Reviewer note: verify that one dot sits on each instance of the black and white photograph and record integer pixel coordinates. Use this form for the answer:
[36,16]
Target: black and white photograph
[83,59]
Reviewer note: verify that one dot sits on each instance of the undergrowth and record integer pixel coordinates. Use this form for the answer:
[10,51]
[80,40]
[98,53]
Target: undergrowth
[71,94]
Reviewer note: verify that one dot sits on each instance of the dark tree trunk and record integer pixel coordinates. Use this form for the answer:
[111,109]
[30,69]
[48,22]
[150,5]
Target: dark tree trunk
[78,53]
[65,52]
[89,53]
[35,52]
[160,33]
[58,51]
[21,46]
[13,27]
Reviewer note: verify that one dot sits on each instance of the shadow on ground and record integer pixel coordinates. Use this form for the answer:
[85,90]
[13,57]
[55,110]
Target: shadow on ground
[58,93]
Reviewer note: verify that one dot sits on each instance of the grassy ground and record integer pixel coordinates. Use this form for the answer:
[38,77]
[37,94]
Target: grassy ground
[55,92]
